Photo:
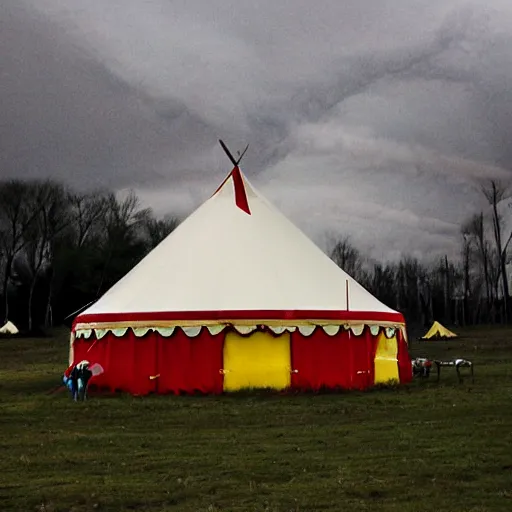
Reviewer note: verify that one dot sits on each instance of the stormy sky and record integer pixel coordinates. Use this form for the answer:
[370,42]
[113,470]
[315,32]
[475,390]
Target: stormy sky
[378,119]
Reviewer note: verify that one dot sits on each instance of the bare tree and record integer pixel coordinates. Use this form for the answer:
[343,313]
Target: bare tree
[16,217]
[34,253]
[414,288]
[475,229]
[495,192]
[383,284]
[63,249]
[50,202]
[347,257]
[466,258]
[121,223]
[156,230]
[87,210]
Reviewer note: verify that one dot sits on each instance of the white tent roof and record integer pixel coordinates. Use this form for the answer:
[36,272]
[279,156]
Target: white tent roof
[9,328]
[222,259]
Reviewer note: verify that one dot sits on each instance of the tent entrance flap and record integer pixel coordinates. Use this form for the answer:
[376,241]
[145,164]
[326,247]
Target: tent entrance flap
[386,360]
[259,360]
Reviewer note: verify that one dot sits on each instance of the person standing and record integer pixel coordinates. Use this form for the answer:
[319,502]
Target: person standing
[76,378]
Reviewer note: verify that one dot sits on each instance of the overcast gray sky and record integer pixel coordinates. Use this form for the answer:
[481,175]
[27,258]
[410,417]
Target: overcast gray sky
[372,118]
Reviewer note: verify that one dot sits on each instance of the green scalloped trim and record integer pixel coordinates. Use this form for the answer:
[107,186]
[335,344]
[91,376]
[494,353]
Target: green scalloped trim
[119,332]
[192,332]
[100,333]
[165,331]
[215,329]
[245,329]
[331,330]
[357,330]
[390,332]
[307,330]
[84,333]
[140,331]
[374,330]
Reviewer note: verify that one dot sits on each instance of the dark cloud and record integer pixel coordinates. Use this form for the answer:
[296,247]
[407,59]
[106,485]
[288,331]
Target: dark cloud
[379,119]
[66,115]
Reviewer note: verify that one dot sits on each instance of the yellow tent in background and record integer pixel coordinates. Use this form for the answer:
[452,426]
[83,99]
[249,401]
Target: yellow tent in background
[438,332]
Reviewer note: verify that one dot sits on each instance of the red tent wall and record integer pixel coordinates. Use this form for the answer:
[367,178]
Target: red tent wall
[128,361]
[153,363]
[95,351]
[190,364]
[362,352]
[404,360]
[320,360]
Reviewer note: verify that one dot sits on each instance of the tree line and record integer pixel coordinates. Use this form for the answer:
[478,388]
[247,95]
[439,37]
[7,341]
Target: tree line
[468,290]
[61,249]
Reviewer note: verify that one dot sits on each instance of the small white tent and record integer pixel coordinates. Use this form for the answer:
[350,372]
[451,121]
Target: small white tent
[9,328]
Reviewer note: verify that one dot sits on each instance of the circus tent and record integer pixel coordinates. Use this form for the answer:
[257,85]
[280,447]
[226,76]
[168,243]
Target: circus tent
[238,297]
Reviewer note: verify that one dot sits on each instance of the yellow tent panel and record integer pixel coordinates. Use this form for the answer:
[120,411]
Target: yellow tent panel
[438,332]
[386,360]
[256,361]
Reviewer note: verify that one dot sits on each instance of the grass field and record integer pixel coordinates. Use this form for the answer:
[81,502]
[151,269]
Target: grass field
[428,446]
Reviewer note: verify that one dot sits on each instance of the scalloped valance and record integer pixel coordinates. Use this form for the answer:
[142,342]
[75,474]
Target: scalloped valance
[192,331]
